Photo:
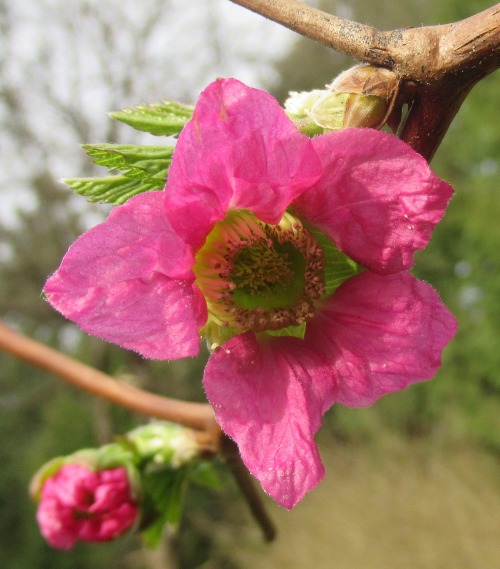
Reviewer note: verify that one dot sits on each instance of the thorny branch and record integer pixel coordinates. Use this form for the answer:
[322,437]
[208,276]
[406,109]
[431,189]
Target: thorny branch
[436,66]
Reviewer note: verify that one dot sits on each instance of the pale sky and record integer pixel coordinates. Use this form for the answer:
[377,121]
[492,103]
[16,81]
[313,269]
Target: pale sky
[54,54]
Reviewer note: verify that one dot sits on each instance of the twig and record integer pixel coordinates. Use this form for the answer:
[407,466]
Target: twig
[436,66]
[415,53]
[340,34]
[193,415]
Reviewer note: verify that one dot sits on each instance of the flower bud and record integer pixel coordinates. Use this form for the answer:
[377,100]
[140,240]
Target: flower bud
[86,457]
[298,107]
[80,504]
[108,456]
[358,97]
[164,443]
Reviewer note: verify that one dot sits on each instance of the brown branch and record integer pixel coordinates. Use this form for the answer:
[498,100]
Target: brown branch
[340,34]
[412,52]
[436,66]
[194,415]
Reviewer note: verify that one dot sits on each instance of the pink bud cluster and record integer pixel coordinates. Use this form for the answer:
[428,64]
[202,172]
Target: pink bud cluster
[78,504]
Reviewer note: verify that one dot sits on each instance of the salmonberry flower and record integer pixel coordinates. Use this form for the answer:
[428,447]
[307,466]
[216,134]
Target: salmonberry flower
[78,504]
[290,256]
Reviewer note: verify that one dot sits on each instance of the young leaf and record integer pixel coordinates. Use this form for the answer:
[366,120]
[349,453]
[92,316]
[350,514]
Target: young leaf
[164,490]
[144,168]
[138,162]
[114,189]
[161,119]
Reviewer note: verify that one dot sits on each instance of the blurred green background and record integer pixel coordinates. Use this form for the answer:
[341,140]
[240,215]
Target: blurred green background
[412,481]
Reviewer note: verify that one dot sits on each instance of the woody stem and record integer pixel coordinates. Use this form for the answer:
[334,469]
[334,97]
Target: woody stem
[436,66]
[193,415]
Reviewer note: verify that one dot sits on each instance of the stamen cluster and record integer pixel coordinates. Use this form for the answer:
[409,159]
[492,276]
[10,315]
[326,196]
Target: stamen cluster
[257,276]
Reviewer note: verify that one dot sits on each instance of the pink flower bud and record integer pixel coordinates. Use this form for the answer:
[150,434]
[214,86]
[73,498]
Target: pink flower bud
[78,504]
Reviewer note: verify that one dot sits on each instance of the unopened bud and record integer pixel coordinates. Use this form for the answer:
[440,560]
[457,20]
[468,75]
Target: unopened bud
[366,80]
[164,443]
[358,97]
[95,459]
[298,107]
[78,503]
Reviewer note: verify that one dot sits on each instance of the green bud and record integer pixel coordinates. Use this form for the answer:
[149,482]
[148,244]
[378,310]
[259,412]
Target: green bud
[358,97]
[164,444]
[298,107]
[365,110]
[329,110]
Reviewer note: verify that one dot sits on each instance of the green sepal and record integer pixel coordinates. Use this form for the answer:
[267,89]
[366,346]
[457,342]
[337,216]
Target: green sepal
[338,266]
[295,331]
[164,492]
[42,474]
[161,119]
[113,455]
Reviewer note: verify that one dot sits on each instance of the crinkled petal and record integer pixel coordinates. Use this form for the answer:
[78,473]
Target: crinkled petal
[240,150]
[378,200]
[129,281]
[381,334]
[57,524]
[85,516]
[267,397]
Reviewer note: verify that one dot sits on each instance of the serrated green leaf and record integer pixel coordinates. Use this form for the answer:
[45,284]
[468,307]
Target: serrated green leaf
[144,168]
[161,119]
[114,189]
[133,161]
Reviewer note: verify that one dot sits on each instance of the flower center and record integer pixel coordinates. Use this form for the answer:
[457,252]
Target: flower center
[258,277]
[259,267]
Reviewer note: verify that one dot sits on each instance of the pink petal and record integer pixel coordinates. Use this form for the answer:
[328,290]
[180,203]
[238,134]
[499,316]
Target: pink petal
[240,150]
[129,281]
[377,199]
[266,397]
[381,334]
[86,516]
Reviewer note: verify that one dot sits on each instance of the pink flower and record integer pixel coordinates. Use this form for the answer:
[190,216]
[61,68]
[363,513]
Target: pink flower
[78,504]
[239,249]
